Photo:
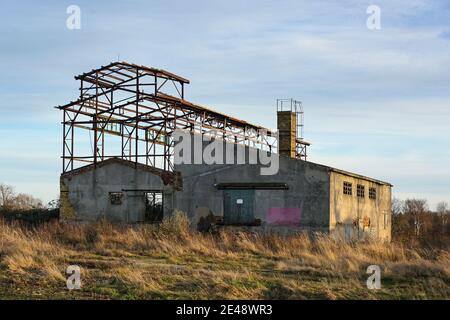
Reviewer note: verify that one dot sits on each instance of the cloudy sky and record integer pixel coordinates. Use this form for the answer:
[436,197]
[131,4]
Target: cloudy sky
[377,102]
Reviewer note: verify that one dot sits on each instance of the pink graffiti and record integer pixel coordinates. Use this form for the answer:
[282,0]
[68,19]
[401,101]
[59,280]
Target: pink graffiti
[283,216]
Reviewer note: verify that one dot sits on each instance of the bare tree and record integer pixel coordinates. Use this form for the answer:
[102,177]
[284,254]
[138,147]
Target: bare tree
[397,206]
[11,201]
[416,209]
[26,202]
[443,210]
[6,195]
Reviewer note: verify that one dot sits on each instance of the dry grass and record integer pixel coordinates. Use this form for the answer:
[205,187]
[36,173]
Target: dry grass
[170,261]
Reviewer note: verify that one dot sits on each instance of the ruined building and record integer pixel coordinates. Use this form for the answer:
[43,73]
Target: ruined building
[142,156]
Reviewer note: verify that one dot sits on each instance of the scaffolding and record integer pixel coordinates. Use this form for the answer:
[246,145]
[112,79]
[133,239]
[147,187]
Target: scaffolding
[141,107]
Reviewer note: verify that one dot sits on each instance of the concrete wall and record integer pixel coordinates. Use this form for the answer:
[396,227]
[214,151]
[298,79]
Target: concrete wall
[314,200]
[352,217]
[307,196]
[85,192]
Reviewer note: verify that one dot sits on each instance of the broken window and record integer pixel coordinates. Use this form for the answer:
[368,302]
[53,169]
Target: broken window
[115,198]
[347,188]
[372,193]
[154,207]
[360,191]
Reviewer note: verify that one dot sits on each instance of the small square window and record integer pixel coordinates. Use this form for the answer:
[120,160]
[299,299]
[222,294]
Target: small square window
[348,188]
[115,198]
[360,191]
[372,193]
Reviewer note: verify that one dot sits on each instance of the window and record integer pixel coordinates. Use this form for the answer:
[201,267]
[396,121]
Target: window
[360,191]
[115,198]
[372,193]
[385,219]
[348,188]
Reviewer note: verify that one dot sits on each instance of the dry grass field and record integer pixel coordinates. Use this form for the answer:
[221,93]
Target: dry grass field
[170,261]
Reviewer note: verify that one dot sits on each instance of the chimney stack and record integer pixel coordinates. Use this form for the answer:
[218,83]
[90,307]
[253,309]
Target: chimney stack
[287,130]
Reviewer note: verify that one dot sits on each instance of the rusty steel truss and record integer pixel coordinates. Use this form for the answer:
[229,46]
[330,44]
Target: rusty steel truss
[141,107]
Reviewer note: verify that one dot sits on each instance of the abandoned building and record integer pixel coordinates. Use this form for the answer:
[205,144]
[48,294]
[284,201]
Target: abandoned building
[125,168]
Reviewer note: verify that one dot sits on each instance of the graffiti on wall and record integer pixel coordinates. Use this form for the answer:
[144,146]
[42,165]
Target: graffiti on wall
[283,216]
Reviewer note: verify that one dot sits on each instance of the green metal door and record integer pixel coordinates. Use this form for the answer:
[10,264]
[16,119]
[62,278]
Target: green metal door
[238,206]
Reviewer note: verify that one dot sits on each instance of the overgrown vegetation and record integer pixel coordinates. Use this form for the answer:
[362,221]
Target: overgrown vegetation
[172,261]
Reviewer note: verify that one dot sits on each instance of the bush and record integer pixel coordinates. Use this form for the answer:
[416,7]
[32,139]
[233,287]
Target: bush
[35,216]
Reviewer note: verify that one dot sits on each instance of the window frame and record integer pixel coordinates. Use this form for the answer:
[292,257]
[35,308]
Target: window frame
[348,188]
[361,191]
[373,193]
[115,198]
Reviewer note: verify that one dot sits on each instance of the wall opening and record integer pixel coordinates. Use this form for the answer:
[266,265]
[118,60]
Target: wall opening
[154,204]
[347,188]
[115,198]
[360,191]
[238,207]
[372,193]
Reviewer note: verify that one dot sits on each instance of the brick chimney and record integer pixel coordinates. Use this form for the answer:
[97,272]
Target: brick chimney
[287,129]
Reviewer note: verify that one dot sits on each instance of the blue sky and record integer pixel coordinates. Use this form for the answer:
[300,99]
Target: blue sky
[377,102]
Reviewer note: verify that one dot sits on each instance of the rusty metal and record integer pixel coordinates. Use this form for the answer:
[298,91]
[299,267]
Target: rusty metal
[132,118]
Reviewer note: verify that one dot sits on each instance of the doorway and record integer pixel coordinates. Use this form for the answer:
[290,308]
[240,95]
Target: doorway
[154,207]
[238,206]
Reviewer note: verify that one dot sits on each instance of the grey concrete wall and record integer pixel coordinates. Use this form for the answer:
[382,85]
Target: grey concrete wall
[85,194]
[308,192]
[314,196]
[314,190]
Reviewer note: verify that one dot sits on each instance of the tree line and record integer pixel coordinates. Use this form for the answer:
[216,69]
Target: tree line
[9,200]
[414,224]
[25,207]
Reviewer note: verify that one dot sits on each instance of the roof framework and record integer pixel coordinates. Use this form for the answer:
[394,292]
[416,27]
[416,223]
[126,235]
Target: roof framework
[142,106]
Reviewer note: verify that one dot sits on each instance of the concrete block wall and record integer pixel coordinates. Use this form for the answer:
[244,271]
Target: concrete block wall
[85,192]
[308,192]
[353,217]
